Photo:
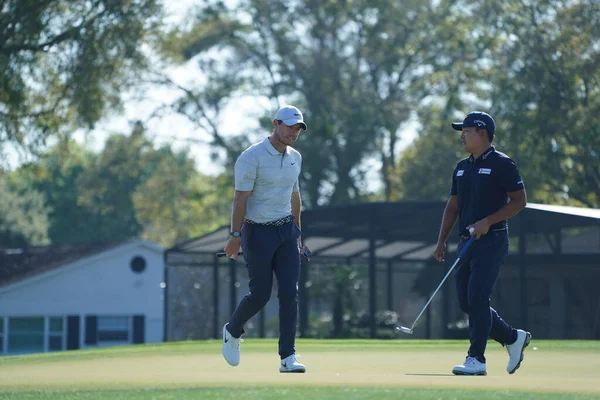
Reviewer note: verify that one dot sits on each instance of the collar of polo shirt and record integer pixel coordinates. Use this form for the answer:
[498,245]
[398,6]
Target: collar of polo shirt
[483,156]
[272,150]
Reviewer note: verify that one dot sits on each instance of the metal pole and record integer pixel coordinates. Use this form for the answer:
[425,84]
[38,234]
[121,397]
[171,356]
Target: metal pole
[390,286]
[165,302]
[372,287]
[216,327]
[523,270]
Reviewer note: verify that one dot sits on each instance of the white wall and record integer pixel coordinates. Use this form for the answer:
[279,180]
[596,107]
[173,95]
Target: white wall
[103,284]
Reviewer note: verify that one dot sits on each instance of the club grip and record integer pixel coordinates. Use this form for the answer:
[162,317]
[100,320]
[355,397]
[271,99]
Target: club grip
[222,254]
[466,247]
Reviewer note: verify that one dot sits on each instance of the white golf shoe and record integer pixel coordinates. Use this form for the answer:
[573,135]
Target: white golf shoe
[516,350]
[231,348]
[291,364]
[471,366]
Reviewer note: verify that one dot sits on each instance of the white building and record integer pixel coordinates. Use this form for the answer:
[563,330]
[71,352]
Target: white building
[80,296]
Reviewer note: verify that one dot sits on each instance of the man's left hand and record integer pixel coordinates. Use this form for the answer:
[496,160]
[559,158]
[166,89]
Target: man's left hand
[480,227]
[305,252]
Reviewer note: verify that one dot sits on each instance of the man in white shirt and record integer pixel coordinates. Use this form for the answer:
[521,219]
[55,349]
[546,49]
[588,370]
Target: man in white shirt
[265,222]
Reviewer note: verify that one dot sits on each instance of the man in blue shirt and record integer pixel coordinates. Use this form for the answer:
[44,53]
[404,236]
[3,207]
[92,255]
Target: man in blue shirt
[265,223]
[487,189]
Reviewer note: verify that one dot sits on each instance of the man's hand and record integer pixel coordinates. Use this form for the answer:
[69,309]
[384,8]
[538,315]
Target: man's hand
[305,252]
[232,247]
[440,251]
[480,228]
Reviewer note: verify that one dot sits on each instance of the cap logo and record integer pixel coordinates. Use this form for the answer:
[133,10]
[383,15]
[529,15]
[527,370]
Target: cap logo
[479,122]
[297,115]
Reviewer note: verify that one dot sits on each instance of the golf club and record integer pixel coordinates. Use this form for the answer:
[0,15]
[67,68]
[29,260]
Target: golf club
[408,330]
[304,252]
[222,254]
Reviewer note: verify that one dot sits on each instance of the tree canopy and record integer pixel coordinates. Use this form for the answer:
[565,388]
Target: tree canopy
[65,64]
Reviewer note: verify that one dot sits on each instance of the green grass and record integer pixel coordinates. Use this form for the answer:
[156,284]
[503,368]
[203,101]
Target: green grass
[297,393]
[304,345]
[337,369]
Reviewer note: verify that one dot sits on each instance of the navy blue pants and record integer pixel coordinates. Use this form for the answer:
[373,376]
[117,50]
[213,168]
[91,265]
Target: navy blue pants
[267,250]
[475,278]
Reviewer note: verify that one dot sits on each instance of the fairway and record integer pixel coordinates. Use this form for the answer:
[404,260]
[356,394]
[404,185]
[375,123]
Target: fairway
[336,369]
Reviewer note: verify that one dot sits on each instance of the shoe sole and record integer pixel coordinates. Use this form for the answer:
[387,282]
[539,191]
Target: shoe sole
[298,371]
[525,344]
[460,373]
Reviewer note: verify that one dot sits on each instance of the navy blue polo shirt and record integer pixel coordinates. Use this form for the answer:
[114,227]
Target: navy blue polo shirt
[482,185]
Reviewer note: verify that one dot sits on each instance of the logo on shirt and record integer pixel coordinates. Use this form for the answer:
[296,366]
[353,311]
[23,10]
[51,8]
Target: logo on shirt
[485,171]
[460,172]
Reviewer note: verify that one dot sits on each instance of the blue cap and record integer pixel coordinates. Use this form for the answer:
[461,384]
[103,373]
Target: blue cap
[477,119]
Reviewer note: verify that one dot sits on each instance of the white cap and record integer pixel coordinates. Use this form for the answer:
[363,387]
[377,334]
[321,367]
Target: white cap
[290,115]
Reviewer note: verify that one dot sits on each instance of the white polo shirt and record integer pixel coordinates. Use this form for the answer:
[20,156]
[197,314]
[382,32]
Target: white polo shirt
[271,176]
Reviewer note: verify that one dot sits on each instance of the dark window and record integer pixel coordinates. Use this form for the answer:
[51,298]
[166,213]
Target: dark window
[138,264]
[113,329]
[25,335]
[56,332]
[73,332]
[113,336]
[55,343]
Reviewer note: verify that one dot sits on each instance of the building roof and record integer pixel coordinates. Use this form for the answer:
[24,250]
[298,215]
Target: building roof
[400,231]
[17,264]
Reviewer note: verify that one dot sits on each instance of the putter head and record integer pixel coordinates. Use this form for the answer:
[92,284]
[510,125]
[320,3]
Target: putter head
[404,329]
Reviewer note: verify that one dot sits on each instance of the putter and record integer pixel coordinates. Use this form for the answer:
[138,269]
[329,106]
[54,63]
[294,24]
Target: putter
[409,331]
[304,252]
[222,254]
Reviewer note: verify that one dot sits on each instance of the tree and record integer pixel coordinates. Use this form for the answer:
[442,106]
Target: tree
[355,68]
[23,216]
[535,66]
[176,202]
[129,190]
[425,167]
[65,64]
[548,97]
[55,175]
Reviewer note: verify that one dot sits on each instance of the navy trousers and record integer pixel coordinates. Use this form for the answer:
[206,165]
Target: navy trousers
[267,250]
[475,278]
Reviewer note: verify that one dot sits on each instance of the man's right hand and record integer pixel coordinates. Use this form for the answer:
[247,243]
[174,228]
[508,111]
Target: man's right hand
[232,247]
[440,251]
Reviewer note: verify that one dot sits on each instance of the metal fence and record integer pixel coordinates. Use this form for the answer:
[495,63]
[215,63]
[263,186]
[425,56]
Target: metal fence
[556,296]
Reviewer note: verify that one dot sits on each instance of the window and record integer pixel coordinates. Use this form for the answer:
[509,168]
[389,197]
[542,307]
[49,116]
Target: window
[56,333]
[113,329]
[25,335]
[138,264]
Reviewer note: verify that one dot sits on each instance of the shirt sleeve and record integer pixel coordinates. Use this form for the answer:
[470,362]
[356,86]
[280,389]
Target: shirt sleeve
[454,190]
[510,179]
[245,169]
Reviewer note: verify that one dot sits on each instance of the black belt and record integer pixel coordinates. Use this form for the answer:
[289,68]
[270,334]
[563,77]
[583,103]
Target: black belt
[277,222]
